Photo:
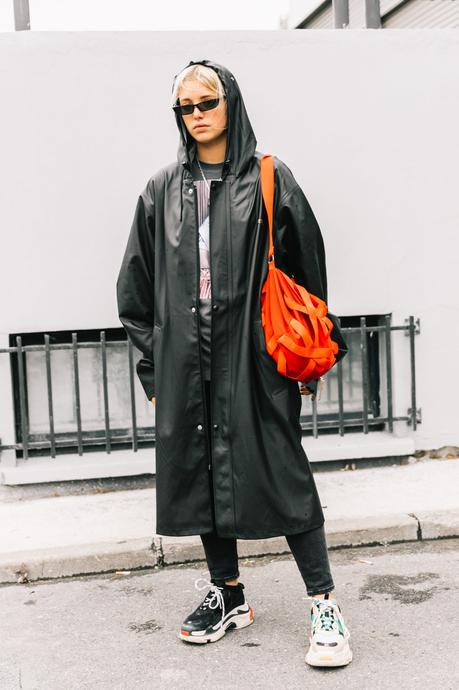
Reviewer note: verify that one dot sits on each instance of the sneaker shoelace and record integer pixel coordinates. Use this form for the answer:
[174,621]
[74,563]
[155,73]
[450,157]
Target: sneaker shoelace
[326,619]
[214,597]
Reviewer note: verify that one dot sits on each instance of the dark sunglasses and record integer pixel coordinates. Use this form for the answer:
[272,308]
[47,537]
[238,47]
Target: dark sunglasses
[188,108]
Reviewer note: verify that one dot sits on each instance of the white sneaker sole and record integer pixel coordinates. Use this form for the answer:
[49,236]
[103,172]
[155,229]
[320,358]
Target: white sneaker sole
[326,657]
[239,617]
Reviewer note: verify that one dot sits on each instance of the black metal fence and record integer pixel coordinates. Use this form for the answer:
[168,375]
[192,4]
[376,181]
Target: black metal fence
[357,395]
[372,356]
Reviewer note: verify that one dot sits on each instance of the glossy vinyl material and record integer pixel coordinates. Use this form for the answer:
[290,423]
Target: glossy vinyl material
[262,481]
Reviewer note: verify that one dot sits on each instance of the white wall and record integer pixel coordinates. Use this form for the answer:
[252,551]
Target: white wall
[366,120]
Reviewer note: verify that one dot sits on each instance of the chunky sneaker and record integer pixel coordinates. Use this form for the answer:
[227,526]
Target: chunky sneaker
[223,607]
[329,638]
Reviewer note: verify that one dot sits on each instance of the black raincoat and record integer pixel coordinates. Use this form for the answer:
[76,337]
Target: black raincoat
[262,481]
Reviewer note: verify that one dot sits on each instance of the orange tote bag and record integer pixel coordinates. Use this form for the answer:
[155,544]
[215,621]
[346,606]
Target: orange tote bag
[295,323]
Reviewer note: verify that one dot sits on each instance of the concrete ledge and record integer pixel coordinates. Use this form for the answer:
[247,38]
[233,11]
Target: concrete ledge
[352,446]
[262,547]
[71,467]
[440,524]
[177,550]
[130,554]
[382,529]
[125,463]
[81,559]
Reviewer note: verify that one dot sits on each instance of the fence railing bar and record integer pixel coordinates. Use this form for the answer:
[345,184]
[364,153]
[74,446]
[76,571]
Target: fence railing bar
[349,363]
[314,418]
[412,327]
[49,389]
[118,343]
[103,349]
[76,392]
[132,393]
[340,398]
[356,421]
[388,344]
[65,443]
[22,399]
[65,346]
[364,358]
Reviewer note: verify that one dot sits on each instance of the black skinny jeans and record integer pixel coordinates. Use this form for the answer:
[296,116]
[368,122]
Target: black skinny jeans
[309,549]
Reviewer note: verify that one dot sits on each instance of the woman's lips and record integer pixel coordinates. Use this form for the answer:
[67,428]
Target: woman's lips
[200,126]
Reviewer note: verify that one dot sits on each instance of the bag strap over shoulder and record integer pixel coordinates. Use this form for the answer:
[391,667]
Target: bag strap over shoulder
[267,189]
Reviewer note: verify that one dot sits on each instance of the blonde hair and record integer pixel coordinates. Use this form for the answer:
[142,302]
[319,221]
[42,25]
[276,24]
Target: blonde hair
[205,75]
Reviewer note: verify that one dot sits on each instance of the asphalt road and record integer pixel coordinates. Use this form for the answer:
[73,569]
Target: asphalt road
[400,602]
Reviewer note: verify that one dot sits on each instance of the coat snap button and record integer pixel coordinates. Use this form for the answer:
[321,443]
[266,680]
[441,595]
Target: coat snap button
[215,426]
[199,427]
[190,191]
[193,309]
[215,307]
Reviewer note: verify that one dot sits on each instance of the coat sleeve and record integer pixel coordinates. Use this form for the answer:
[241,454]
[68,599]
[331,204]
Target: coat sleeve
[305,256]
[134,287]
[305,245]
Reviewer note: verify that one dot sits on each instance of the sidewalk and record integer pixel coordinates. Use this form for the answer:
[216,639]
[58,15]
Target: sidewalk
[98,532]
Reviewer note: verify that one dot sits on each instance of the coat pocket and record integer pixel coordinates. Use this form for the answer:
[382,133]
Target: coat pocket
[276,384]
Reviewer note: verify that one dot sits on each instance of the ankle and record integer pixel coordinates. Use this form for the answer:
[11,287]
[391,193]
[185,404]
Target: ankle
[326,595]
[234,582]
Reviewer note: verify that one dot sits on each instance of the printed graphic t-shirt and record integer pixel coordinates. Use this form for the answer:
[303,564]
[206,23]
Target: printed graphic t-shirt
[212,171]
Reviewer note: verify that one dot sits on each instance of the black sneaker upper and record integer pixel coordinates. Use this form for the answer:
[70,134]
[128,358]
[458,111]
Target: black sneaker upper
[210,611]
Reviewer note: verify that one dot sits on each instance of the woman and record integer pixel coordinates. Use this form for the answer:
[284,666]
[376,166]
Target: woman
[229,459]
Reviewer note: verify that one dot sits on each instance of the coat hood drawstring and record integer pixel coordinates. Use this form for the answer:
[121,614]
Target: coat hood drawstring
[241,142]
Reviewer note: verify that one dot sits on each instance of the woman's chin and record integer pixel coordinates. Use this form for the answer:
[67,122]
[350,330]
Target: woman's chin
[203,135]
[207,137]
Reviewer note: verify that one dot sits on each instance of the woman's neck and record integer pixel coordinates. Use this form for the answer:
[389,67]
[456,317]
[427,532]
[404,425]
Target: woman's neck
[214,151]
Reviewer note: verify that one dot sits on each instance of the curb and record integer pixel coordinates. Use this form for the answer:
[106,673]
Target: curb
[135,554]
[84,559]
[340,533]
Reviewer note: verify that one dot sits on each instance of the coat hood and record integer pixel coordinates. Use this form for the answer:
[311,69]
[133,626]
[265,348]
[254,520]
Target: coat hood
[241,142]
